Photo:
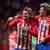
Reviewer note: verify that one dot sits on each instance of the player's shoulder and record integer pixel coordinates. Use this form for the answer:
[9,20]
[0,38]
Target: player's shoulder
[19,17]
[36,17]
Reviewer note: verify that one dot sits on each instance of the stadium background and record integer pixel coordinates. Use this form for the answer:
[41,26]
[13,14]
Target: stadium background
[11,8]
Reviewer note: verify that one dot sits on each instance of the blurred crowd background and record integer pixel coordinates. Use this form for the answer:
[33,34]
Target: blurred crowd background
[10,8]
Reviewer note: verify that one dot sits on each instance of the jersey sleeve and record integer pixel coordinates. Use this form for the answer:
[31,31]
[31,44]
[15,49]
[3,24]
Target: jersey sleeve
[9,23]
[12,23]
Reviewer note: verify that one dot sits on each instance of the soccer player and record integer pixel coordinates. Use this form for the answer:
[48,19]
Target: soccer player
[43,29]
[23,26]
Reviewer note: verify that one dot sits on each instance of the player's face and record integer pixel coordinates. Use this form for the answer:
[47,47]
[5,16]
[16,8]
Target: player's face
[25,13]
[42,11]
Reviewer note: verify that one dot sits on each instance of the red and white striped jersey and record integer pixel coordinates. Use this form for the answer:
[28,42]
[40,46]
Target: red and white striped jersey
[43,28]
[19,23]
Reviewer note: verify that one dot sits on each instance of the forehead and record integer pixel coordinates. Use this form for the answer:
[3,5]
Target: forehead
[42,8]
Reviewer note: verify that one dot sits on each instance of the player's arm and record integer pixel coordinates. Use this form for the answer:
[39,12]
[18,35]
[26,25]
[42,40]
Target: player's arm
[34,31]
[7,22]
[10,22]
[12,39]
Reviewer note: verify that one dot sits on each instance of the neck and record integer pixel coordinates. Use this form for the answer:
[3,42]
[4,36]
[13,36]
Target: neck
[43,14]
